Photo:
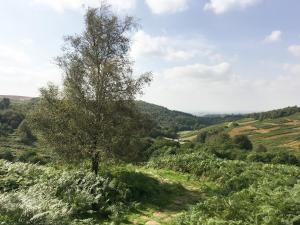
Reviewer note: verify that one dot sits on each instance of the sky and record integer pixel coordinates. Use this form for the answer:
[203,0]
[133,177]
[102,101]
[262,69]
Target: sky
[220,56]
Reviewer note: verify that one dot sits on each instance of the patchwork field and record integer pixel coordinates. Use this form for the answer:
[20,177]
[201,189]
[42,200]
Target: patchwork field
[281,133]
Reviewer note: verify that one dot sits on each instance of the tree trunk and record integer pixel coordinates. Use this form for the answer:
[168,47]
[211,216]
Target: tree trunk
[95,163]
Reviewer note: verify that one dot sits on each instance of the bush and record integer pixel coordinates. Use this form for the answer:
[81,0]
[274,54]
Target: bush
[275,157]
[31,156]
[233,124]
[243,142]
[261,148]
[4,103]
[40,195]
[7,155]
[161,147]
[25,134]
[237,192]
[204,135]
[43,195]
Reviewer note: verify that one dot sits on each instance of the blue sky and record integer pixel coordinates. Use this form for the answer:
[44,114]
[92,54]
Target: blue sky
[206,55]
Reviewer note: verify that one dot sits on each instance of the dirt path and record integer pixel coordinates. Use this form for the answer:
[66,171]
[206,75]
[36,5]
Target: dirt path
[189,196]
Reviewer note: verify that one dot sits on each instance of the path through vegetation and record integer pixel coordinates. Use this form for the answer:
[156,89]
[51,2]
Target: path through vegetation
[181,201]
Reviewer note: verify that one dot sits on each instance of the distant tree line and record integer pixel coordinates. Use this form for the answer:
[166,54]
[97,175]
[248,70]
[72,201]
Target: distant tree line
[169,122]
[273,114]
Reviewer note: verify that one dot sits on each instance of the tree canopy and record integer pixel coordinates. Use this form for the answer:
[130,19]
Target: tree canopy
[95,110]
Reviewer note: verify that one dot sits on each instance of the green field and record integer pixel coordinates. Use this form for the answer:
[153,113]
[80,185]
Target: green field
[281,133]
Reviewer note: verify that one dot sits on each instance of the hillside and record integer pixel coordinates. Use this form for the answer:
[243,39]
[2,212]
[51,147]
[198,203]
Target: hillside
[172,121]
[278,133]
[272,129]
[283,132]
[169,122]
[16,98]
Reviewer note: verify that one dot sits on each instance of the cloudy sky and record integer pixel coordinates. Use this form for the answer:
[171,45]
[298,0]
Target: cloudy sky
[206,55]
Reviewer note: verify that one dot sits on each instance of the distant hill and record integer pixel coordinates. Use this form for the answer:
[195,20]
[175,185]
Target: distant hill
[275,133]
[172,121]
[16,98]
[169,121]
[277,113]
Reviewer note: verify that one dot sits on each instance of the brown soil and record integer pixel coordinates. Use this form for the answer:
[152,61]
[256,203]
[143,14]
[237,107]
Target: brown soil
[241,130]
[293,122]
[265,131]
[292,144]
[280,135]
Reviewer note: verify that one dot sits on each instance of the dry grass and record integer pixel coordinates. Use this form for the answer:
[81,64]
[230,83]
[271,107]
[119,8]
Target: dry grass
[293,122]
[293,145]
[241,130]
[265,131]
[281,135]
[248,122]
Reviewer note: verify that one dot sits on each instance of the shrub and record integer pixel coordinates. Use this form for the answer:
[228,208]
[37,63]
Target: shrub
[7,155]
[236,192]
[233,124]
[243,142]
[162,146]
[204,135]
[261,148]
[25,134]
[40,195]
[275,157]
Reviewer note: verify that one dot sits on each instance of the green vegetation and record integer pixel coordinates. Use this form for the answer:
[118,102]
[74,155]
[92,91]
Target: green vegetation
[94,112]
[237,192]
[31,194]
[273,114]
[170,122]
[89,154]
[9,118]
[243,142]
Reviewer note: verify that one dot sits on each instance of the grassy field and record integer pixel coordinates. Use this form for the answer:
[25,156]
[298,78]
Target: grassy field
[283,133]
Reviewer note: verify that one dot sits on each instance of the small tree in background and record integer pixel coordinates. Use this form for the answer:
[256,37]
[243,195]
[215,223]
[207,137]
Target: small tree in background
[95,110]
[25,134]
[261,148]
[243,142]
[4,103]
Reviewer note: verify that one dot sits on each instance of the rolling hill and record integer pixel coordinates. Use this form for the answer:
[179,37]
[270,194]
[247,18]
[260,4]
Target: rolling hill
[172,121]
[278,133]
[168,121]
[16,97]
[275,129]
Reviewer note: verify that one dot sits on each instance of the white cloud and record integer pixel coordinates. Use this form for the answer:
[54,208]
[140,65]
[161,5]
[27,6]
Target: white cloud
[292,68]
[12,56]
[218,72]
[171,48]
[217,88]
[294,50]
[222,6]
[26,41]
[61,5]
[275,36]
[167,6]
[20,74]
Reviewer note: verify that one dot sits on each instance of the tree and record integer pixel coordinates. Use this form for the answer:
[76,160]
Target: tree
[5,103]
[261,148]
[25,134]
[95,110]
[243,142]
